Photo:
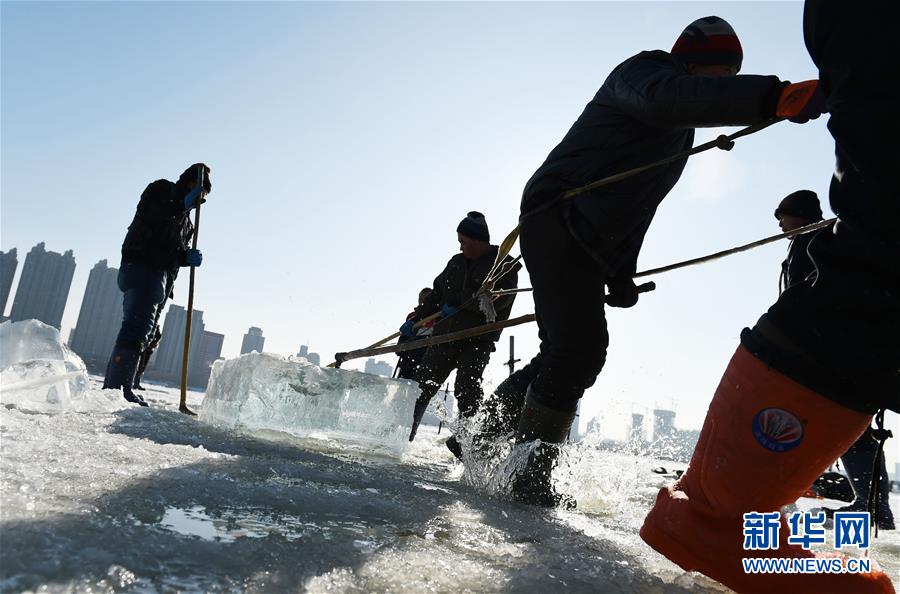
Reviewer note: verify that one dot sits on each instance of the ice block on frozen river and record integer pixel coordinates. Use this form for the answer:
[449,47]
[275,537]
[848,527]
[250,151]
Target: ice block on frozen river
[267,392]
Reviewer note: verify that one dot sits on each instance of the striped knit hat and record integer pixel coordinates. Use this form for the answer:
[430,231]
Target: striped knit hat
[709,40]
[474,226]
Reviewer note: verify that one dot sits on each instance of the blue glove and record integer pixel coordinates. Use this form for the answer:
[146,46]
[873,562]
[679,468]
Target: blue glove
[407,329]
[193,258]
[190,200]
[448,310]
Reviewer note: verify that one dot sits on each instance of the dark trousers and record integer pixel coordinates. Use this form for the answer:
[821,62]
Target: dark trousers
[408,361]
[469,359]
[144,296]
[569,289]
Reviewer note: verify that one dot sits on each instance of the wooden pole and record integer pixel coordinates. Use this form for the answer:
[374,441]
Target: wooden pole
[427,342]
[182,406]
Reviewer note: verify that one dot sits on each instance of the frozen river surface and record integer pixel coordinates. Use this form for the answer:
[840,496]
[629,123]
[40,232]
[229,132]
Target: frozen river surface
[115,498]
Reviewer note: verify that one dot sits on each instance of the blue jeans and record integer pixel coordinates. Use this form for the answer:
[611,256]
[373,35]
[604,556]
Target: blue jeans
[145,292]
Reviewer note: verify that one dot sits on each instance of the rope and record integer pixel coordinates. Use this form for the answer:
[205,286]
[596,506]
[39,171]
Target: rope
[710,257]
[735,250]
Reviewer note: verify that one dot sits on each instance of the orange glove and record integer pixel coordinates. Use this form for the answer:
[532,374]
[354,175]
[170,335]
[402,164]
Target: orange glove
[801,102]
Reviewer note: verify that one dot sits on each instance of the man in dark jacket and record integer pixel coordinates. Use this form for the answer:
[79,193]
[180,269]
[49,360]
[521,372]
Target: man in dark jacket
[575,249]
[808,377]
[797,209]
[453,296]
[155,247]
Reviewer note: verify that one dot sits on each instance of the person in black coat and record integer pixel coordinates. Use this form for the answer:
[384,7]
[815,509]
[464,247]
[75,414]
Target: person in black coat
[155,247]
[797,209]
[452,296]
[408,361]
[576,249]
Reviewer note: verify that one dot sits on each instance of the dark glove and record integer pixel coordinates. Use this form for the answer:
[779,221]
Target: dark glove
[407,329]
[191,198]
[622,292]
[448,310]
[193,258]
[801,102]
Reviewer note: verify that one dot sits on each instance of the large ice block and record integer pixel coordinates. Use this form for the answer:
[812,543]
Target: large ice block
[37,371]
[267,392]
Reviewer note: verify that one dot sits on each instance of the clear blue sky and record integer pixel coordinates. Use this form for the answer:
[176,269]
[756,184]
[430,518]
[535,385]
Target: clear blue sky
[347,140]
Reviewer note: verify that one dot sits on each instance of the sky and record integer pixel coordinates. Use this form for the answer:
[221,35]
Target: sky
[347,140]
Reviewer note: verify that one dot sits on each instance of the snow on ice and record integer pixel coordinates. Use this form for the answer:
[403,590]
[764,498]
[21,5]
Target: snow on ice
[102,496]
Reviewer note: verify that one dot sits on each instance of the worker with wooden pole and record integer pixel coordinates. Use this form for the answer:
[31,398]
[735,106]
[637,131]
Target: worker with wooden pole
[182,405]
[155,247]
[452,297]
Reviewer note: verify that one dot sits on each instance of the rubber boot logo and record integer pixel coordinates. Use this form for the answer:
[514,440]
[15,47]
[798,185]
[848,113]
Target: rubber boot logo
[777,430]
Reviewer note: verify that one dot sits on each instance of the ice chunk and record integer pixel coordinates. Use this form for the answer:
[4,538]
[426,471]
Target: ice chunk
[37,371]
[257,392]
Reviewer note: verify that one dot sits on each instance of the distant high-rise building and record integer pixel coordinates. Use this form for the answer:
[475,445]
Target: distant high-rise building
[663,423]
[253,341]
[636,431]
[44,286]
[8,264]
[99,319]
[166,363]
[376,367]
[209,349]
[309,356]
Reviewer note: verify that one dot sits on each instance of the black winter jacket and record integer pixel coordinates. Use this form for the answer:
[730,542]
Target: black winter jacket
[798,265]
[161,230]
[645,111]
[855,47]
[455,287]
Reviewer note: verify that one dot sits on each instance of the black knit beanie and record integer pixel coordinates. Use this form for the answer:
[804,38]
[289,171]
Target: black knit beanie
[474,226]
[802,203]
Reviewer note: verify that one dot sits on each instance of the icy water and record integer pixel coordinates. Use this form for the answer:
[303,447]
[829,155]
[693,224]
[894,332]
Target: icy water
[114,498]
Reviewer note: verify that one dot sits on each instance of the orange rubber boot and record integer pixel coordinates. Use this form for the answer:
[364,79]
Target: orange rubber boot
[765,440]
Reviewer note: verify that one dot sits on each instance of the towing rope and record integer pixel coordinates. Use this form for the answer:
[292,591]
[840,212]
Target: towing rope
[710,257]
